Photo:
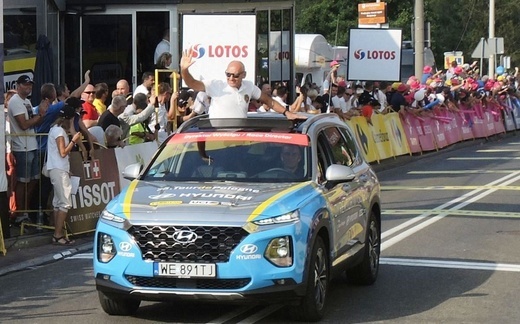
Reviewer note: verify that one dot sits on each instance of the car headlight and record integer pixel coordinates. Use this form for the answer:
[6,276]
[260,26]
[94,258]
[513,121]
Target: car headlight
[279,251]
[106,248]
[113,220]
[286,218]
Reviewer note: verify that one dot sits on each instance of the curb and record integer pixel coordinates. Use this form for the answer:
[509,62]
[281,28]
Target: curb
[46,259]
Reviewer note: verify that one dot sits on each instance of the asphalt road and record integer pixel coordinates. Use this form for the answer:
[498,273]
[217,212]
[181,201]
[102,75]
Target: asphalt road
[451,235]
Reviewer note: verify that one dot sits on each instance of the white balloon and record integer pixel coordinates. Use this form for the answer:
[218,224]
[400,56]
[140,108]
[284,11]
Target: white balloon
[419,95]
[441,98]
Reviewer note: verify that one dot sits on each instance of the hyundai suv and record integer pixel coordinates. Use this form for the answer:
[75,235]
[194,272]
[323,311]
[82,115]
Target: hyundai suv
[261,209]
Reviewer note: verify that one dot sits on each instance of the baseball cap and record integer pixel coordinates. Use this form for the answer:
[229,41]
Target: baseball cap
[334,63]
[74,102]
[402,87]
[67,111]
[24,79]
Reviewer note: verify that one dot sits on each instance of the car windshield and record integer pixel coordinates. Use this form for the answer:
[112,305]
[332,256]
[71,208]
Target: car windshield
[232,156]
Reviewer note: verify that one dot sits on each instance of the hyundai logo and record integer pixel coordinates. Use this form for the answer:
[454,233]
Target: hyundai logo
[125,246]
[184,237]
[248,248]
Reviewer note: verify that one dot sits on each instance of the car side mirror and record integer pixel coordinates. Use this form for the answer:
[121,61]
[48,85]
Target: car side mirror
[132,171]
[338,173]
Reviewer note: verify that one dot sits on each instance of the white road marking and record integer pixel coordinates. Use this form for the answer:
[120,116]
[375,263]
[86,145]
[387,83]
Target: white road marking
[463,201]
[485,158]
[497,151]
[429,188]
[489,266]
[451,212]
[462,172]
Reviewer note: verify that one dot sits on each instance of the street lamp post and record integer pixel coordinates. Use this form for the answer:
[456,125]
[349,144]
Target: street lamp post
[419,36]
[491,71]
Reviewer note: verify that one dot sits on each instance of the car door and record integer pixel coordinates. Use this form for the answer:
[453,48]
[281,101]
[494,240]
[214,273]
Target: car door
[344,199]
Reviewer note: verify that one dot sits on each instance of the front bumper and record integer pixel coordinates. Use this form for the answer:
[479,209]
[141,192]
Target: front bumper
[242,278]
[290,292]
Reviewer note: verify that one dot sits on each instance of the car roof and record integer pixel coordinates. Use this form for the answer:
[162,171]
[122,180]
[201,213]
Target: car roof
[260,122]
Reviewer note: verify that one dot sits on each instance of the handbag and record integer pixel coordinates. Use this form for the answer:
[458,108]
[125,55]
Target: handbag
[45,172]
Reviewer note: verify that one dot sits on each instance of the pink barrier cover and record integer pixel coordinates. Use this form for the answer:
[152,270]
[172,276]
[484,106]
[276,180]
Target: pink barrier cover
[424,131]
[437,128]
[411,134]
[465,131]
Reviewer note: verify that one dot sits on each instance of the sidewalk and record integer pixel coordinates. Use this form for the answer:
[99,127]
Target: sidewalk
[36,249]
[32,250]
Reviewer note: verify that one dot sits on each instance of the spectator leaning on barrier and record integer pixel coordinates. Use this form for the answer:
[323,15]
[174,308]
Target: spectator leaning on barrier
[398,102]
[23,142]
[224,94]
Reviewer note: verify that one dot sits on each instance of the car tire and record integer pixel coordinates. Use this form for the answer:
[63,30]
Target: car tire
[312,306]
[118,306]
[365,273]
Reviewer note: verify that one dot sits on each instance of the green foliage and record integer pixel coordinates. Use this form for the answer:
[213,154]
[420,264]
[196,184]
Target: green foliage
[455,25]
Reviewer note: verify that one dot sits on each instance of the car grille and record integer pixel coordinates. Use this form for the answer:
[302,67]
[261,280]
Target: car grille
[212,245]
[154,282]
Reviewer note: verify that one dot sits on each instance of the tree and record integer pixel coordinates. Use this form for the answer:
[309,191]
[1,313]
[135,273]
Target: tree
[455,25]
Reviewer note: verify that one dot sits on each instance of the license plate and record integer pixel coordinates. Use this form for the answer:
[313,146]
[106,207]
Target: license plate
[184,270]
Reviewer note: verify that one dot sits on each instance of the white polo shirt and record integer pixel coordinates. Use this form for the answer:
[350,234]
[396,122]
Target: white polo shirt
[229,102]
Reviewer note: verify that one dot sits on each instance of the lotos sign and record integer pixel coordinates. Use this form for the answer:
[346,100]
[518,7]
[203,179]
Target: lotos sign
[219,44]
[374,54]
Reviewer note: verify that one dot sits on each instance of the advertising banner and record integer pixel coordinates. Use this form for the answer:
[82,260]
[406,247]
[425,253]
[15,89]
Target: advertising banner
[98,184]
[397,135]
[412,134]
[374,54]
[381,137]
[437,129]
[451,129]
[489,123]
[216,40]
[364,137]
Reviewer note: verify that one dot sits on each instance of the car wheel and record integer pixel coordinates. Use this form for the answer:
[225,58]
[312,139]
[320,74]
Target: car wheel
[312,306]
[118,306]
[365,273]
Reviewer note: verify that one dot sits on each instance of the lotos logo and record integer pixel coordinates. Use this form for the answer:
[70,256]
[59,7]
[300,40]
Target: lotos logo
[375,55]
[359,54]
[197,51]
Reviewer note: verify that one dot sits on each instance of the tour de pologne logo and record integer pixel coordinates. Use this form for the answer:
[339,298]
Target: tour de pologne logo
[197,51]
[92,170]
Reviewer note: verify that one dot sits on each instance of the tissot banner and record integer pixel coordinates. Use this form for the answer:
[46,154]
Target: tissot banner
[99,183]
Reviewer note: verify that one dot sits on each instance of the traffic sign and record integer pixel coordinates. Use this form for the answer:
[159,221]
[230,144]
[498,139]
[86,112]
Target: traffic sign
[487,47]
[372,13]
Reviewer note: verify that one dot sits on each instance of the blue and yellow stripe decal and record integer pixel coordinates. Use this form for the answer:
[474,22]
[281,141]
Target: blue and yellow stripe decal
[127,201]
[268,202]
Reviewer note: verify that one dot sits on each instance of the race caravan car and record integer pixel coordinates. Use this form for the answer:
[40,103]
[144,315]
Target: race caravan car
[262,209]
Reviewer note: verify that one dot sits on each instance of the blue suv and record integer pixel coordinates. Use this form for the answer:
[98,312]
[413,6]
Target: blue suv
[262,209]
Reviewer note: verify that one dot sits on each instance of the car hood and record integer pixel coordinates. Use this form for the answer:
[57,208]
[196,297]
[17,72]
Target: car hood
[142,201]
